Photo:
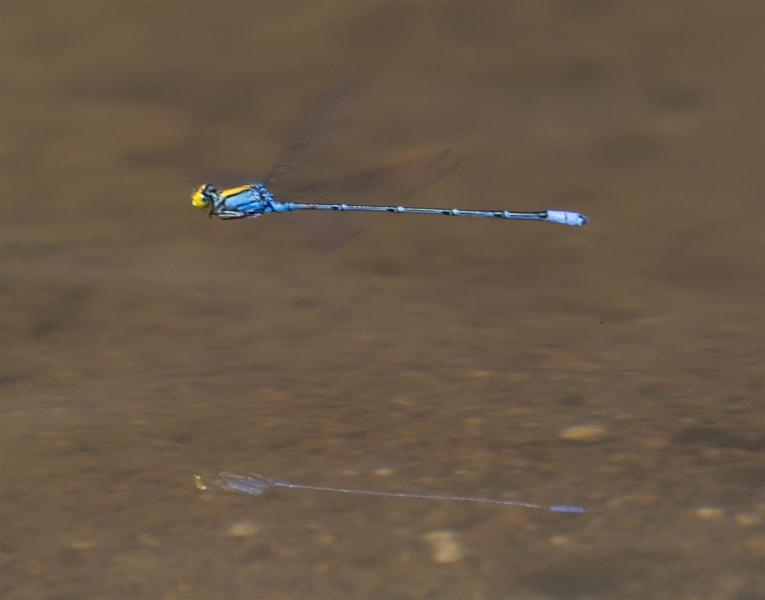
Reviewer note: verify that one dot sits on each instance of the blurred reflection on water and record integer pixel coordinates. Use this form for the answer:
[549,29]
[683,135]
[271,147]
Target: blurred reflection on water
[617,367]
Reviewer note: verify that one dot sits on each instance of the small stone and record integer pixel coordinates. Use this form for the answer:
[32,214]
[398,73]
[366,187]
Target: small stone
[80,545]
[748,519]
[384,472]
[756,546]
[560,540]
[583,434]
[326,539]
[445,547]
[709,513]
[655,443]
[479,374]
[243,529]
[148,540]
[517,377]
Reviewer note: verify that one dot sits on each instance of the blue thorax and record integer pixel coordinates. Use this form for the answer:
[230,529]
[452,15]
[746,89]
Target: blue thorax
[253,199]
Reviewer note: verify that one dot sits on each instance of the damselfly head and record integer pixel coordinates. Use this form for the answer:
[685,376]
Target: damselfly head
[204,196]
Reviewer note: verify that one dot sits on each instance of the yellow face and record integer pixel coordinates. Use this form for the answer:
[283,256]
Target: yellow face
[200,197]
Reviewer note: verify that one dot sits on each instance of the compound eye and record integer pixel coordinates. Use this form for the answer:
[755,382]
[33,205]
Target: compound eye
[201,196]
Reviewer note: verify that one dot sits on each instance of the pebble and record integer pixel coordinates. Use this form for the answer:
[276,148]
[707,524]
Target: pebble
[148,540]
[474,425]
[384,472]
[326,539]
[445,546]
[748,519]
[655,443]
[243,529]
[583,434]
[709,513]
[756,546]
[517,377]
[80,545]
[560,540]
[479,374]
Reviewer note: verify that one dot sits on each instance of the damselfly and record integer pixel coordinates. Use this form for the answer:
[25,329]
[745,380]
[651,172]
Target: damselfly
[252,200]
[255,485]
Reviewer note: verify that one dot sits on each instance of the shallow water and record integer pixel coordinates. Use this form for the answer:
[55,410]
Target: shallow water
[144,343]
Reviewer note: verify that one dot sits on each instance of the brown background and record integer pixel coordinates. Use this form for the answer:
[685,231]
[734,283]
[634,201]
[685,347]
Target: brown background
[144,343]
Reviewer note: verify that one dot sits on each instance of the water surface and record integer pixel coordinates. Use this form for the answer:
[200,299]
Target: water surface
[144,343]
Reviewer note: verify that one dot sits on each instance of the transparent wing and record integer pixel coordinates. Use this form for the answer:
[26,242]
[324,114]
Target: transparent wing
[324,118]
[249,484]
[395,181]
